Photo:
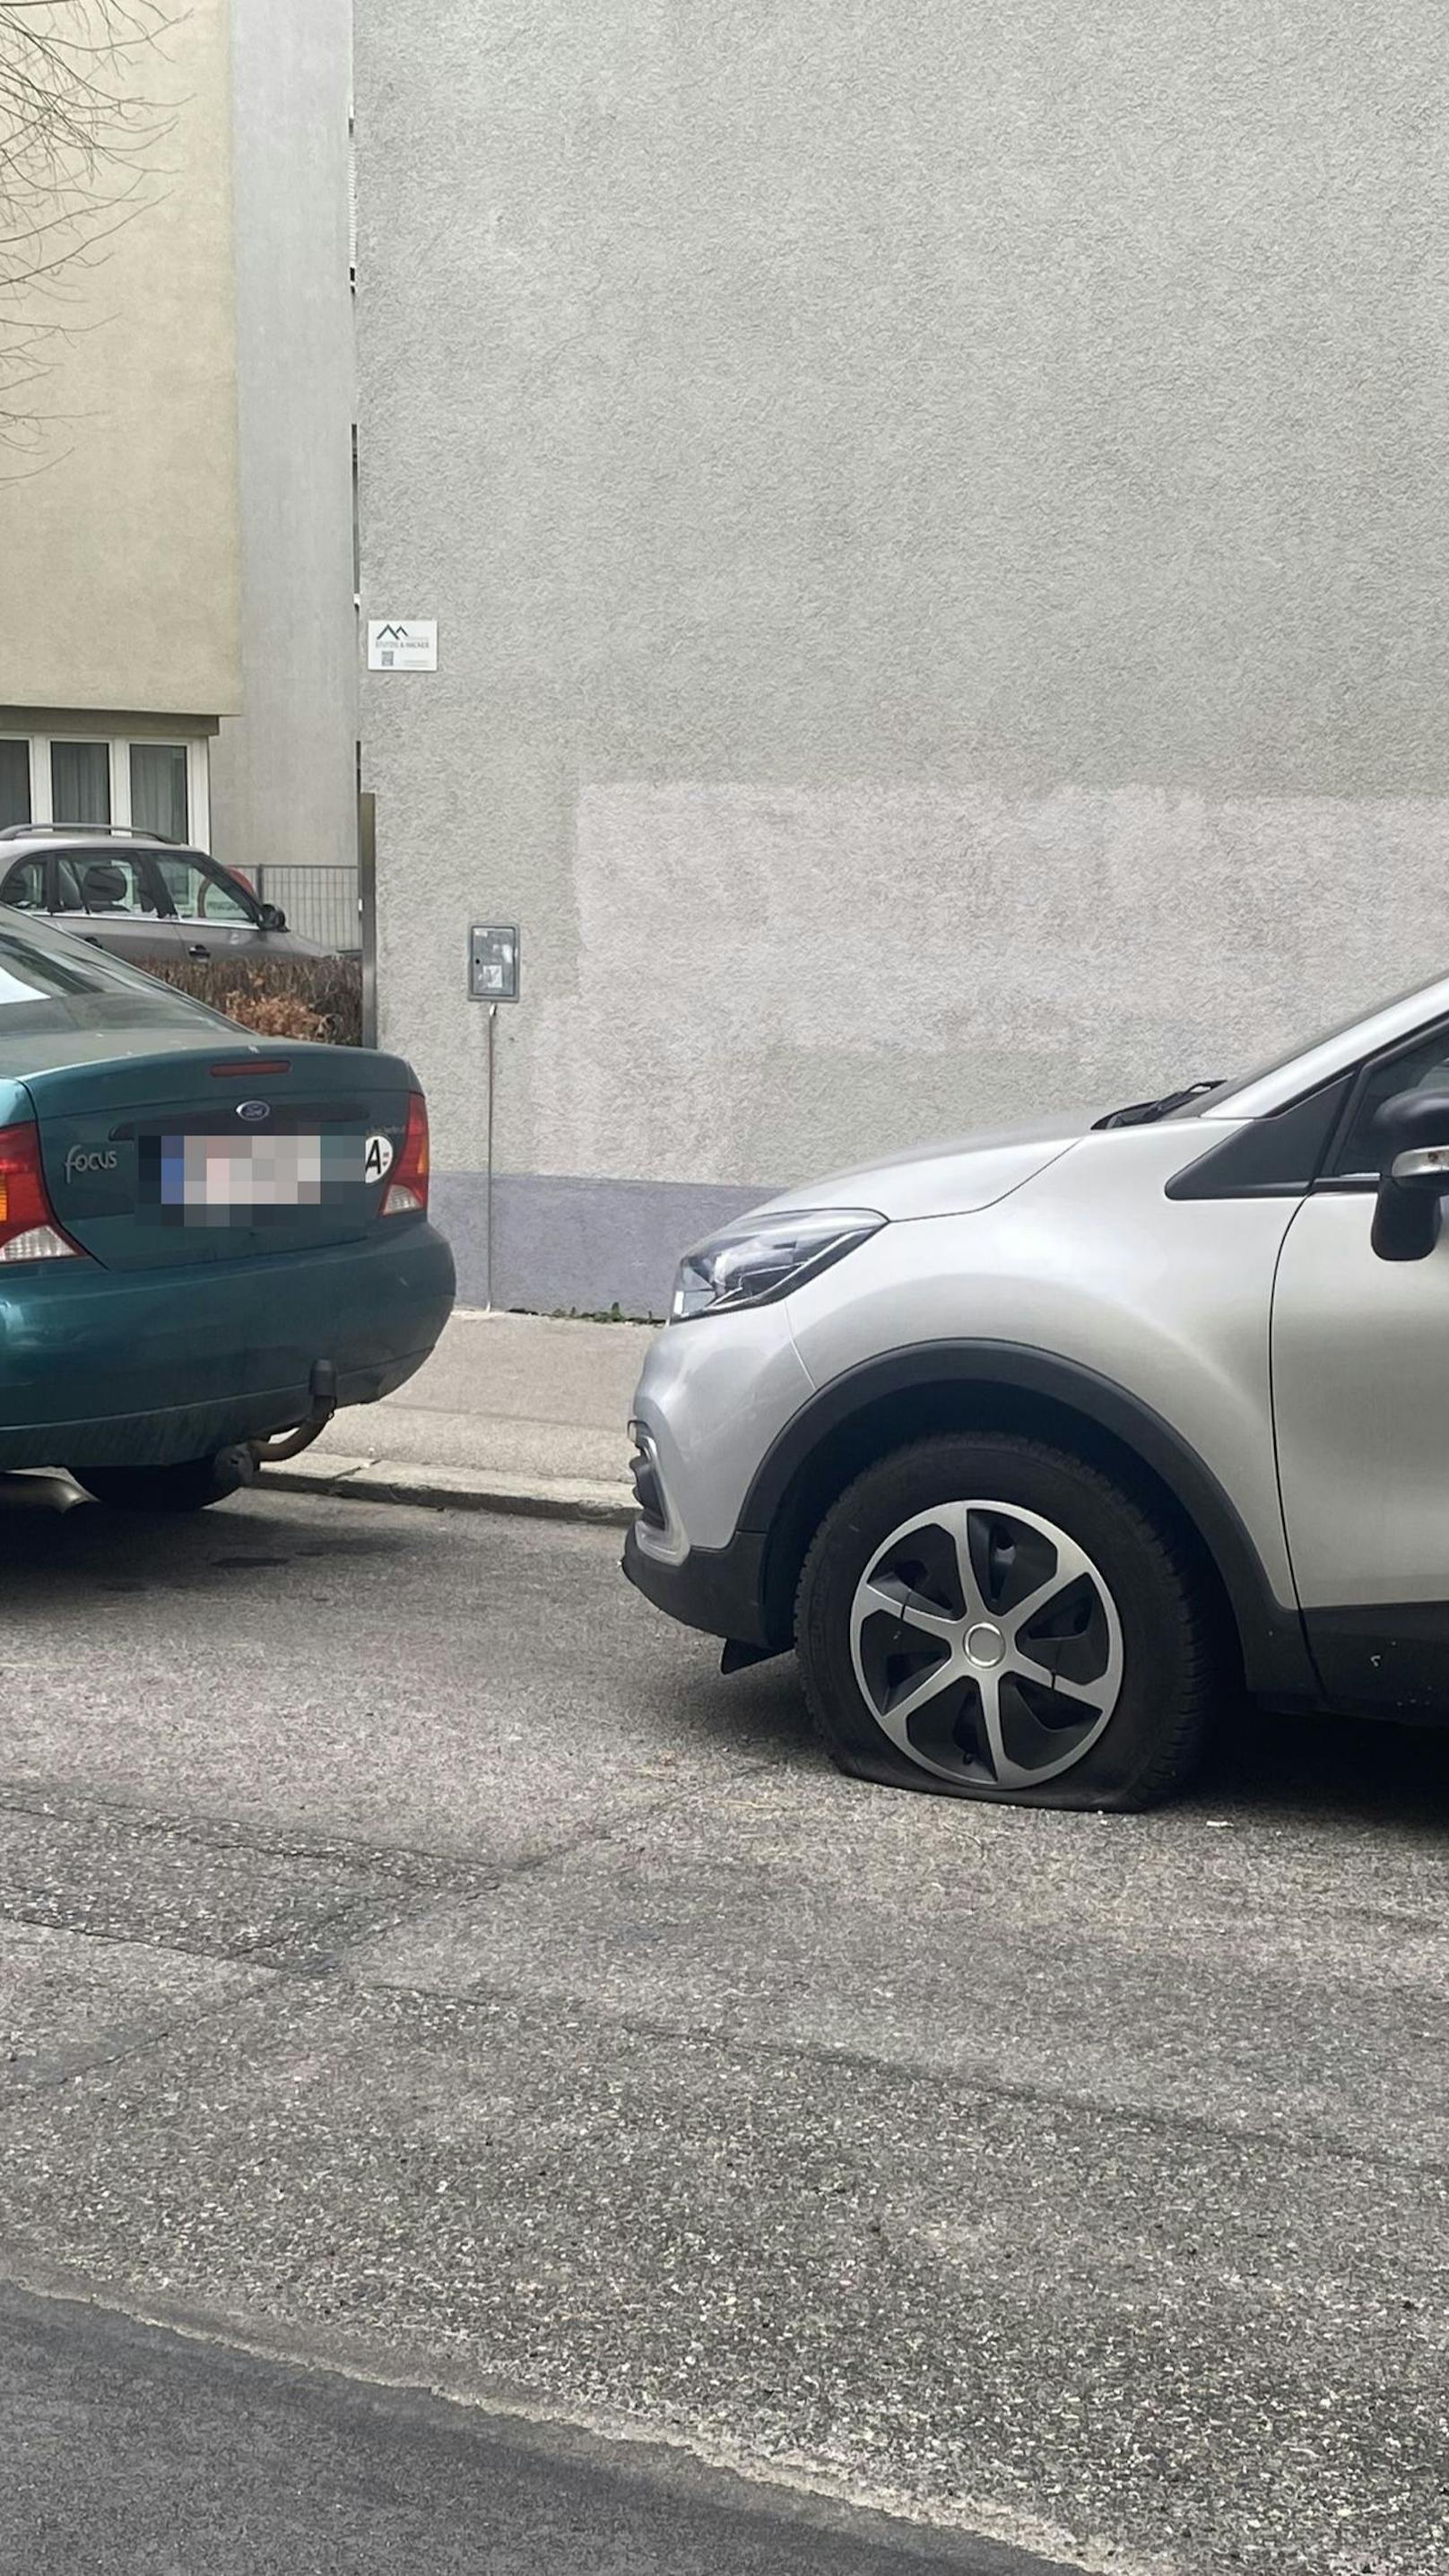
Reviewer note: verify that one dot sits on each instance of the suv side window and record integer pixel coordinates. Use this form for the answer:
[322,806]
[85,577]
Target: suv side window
[24,887]
[1424,1066]
[105,881]
[201,893]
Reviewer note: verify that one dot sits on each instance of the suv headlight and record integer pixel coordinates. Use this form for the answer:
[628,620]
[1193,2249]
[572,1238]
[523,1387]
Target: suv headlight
[749,1263]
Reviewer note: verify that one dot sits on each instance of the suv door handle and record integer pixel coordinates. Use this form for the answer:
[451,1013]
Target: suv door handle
[197,950]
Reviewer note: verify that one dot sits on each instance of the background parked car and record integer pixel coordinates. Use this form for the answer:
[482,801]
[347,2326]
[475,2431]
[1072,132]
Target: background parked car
[141,897]
[207,1238]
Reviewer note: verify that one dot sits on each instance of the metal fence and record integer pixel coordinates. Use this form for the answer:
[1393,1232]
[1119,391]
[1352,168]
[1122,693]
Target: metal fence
[321,903]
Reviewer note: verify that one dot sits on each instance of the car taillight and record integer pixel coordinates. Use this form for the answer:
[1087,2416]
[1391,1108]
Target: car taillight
[408,1191]
[28,1230]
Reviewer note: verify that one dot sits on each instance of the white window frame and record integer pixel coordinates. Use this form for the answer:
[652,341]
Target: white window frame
[42,800]
[198,774]
[198,790]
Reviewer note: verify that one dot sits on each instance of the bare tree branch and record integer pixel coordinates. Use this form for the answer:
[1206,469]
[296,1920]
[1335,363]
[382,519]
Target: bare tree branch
[81,140]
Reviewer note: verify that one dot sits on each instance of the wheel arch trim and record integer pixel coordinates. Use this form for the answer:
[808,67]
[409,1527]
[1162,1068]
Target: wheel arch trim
[1276,1659]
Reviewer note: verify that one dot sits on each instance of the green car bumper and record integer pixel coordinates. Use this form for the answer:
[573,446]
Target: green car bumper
[148,1368]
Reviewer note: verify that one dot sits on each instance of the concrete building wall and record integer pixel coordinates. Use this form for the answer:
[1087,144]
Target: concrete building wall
[119,554]
[284,778]
[936,518]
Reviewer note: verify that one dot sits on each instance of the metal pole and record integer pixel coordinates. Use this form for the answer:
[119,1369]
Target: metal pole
[488,1269]
[367,900]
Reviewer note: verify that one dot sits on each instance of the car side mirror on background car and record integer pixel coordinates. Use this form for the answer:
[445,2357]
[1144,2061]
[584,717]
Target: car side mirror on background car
[1413,1135]
[273,917]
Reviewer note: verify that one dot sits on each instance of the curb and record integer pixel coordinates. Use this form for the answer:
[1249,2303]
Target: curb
[460,1489]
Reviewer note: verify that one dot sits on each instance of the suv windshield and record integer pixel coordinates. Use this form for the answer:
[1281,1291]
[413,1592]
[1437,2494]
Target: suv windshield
[1325,1036]
[1191,1099]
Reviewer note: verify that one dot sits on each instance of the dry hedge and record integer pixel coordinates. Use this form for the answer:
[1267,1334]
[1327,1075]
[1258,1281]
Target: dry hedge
[291,997]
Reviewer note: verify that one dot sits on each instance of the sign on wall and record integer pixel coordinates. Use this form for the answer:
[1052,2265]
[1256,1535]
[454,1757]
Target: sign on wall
[402,643]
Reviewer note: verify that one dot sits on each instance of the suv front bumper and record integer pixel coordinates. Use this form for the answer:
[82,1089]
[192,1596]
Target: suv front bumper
[714,1395]
[718,1589]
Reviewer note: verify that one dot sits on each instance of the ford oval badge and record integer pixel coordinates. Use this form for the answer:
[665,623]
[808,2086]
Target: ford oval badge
[254,1111]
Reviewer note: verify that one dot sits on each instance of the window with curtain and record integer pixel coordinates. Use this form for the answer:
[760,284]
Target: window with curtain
[80,782]
[158,789]
[14,782]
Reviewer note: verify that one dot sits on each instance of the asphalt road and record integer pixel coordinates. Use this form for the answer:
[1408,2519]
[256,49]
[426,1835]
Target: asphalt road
[130,2450]
[415,1961]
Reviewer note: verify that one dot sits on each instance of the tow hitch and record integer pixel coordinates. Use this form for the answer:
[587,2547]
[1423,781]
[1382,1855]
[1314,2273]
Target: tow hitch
[322,1387]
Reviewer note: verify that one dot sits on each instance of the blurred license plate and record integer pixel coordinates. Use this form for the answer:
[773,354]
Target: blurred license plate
[219,1172]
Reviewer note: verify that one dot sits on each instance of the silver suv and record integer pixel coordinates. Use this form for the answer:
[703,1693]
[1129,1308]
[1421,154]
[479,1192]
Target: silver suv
[142,898]
[1036,1445]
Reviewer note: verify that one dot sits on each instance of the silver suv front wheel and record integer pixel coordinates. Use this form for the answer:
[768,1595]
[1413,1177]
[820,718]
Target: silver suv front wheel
[986,1644]
[992,1618]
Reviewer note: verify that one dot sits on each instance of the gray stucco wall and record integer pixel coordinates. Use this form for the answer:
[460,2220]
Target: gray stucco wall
[284,775]
[936,517]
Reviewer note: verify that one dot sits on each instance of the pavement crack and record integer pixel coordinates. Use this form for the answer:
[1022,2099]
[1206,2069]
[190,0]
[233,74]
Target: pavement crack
[264,1949]
[423,1872]
[80,2063]
[410,1863]
[234,1954]
[598,1833]
[1164,2122]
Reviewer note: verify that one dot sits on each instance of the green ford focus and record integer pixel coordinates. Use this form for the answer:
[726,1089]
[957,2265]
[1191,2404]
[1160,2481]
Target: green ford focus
[208,1241]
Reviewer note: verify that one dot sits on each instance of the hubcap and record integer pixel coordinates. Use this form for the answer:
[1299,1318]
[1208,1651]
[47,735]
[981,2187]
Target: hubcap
[987,1645]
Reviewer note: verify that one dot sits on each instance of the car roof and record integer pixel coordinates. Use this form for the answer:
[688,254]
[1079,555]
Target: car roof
[104,836]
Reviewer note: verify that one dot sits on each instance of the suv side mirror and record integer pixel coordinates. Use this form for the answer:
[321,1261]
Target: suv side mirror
[1413,1132]
[273,917]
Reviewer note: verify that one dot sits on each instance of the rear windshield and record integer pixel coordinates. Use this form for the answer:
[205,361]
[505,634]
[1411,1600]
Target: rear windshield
[52,984]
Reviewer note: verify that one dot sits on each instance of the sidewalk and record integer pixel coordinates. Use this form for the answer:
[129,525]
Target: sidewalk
[511,1413]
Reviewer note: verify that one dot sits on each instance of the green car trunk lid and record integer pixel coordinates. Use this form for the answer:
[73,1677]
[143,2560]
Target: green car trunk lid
[103,1127]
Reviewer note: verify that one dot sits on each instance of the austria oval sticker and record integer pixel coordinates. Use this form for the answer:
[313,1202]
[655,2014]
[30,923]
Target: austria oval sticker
[378,1158]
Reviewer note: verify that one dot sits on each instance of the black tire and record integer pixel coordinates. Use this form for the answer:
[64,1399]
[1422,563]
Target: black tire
[1167,1645]
[192,1487]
